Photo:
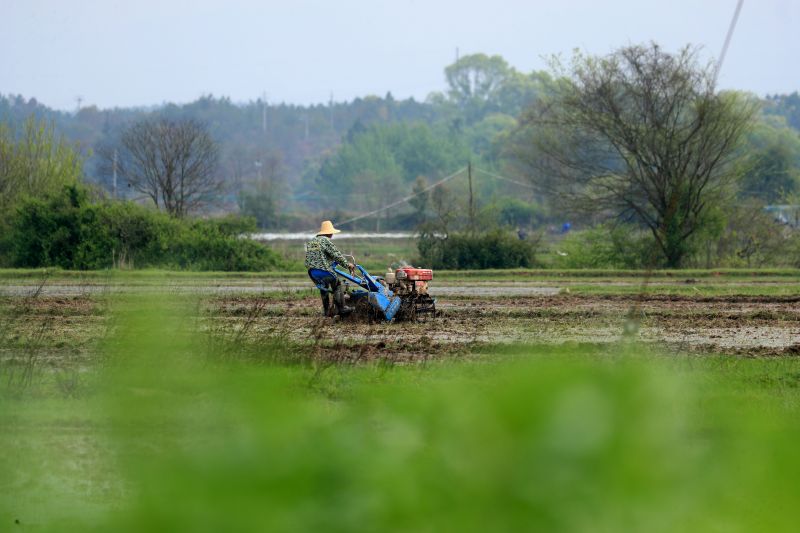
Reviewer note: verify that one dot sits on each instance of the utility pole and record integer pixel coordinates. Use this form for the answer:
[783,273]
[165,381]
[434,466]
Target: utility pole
[471,199]
[114,175]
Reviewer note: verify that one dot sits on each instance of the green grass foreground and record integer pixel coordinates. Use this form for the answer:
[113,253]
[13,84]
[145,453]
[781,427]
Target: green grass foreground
[173,431]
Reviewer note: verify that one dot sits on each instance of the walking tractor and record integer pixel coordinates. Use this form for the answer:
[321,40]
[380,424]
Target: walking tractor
[400,295]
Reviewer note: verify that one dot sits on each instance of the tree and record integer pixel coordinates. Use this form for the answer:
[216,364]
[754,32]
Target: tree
[774,152]
[34,162]
[379,163]
[640,134]
[773,176]
[519,91]
[173,162]
[475,82]
[420,201]
[788,106]
[260,196]
[753,238]
[444,208]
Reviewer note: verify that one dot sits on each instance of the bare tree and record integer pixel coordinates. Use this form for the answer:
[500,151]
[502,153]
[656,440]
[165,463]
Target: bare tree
[172,162]
[640,134]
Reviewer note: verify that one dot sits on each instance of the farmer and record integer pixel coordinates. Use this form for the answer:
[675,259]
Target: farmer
[320,253]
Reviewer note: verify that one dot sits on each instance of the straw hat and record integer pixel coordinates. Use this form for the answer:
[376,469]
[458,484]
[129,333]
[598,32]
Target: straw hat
[327,228]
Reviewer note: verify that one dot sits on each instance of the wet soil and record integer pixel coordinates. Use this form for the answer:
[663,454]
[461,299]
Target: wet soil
[68,327]
[745,325]
[51,331]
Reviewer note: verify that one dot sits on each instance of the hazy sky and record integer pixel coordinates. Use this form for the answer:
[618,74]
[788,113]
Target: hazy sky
[143,52]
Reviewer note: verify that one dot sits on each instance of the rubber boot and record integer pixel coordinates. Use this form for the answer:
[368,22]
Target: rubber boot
[338,298]
[326,304]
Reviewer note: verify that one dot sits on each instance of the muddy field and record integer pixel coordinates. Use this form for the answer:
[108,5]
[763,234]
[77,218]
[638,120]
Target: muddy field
[65,322]
[745,325]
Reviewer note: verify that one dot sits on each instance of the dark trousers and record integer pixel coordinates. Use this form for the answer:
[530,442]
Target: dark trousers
[332,285]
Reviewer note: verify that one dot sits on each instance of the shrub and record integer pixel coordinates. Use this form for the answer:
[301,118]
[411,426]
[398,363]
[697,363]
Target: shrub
[619,246]
[750,237]
[216,245]
[69,231]
[495,249]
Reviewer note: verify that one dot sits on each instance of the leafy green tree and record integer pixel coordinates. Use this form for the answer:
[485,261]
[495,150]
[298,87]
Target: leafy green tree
[363,174]
[786,106]
[486,136]
[259,204]
[773,175]
[479,85]
[375,165]
[34,162]
[753,238]
[519,91]
[475,82]
[516,213]
[421,199]
[445,209]
[261,196]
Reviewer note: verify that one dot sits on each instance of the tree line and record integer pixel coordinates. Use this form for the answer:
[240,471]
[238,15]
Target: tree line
[639,138]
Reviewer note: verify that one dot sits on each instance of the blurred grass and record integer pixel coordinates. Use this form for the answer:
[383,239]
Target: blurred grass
[172,430]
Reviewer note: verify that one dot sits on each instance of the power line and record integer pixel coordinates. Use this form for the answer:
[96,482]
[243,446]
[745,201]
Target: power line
[503,178]
[343,195]
[405,199]
[727,40]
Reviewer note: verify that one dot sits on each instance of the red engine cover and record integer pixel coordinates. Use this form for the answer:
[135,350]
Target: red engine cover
[417,274]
